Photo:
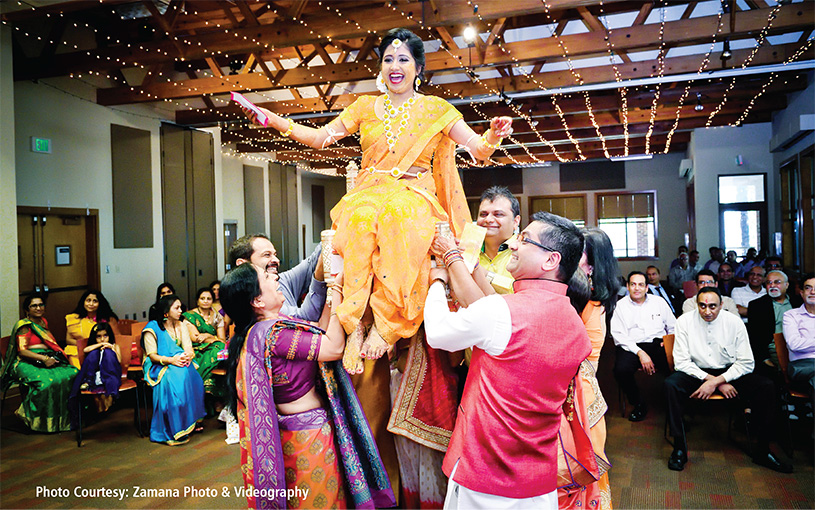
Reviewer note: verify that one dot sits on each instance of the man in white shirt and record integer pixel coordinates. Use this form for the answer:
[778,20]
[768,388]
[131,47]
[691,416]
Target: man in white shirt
[754,289]
[639,322]
[712,354]
[706,278]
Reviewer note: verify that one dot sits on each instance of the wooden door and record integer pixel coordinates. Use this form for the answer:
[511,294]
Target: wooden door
[58,257]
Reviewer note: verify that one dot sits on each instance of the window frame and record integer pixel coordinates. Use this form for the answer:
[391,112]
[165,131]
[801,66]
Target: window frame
[761,207]
[598,197]
[584,196]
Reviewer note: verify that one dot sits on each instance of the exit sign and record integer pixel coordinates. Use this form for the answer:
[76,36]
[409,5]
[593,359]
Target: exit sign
[41,145]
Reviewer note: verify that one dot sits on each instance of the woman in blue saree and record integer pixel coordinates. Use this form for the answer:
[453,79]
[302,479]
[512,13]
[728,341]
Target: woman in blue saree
[178,390]
[305,442]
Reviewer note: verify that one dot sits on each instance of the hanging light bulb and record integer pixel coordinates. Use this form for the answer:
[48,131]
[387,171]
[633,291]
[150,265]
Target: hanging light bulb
[699,107]
[469,35]
[726,53]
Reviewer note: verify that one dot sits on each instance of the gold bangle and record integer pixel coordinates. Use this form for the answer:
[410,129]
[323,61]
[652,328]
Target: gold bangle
[488,144]
[287,132]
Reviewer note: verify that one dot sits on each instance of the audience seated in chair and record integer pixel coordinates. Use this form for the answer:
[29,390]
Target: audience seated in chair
[752,291]
[727,279]
[38,364]
[765,318]
[656,288]
[712,354]
[799,332]
[637,326]
[91,309]
[706,278]
[101,370]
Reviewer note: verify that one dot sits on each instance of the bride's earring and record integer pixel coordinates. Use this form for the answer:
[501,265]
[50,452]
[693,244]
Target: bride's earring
[418,82]
[380,83]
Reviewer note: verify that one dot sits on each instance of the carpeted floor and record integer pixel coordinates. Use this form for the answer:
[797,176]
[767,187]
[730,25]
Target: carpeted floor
[718,475]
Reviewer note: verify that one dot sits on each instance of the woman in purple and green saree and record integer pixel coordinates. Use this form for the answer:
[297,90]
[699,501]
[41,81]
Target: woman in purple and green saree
[305,442]
[38,364]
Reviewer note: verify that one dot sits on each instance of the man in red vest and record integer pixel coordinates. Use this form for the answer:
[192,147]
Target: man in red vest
[527,347]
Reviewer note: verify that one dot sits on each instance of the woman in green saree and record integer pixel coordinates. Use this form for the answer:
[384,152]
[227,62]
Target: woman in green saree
[206,327]
[38,364]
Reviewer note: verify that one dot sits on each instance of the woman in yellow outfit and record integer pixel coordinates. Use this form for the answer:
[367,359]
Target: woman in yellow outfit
[91,308]
[408,181]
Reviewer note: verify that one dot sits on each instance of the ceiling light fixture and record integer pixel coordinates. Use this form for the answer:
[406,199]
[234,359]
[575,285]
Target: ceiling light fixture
[699,107]
[469,35]
[726,53]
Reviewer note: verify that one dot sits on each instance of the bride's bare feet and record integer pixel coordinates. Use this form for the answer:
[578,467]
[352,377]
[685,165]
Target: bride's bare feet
[351,359]
[374,347]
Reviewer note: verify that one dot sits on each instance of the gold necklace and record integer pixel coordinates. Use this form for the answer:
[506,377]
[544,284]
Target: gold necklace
[392,113]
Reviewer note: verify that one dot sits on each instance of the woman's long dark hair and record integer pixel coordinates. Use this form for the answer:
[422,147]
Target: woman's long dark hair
[95,331]
[579,290]
[104,311]
[161,307]
[238,288]
[161,286]
[606,275]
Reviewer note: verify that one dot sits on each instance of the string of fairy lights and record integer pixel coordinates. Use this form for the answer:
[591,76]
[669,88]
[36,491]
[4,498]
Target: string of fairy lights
[342,152]
[686,91]
[759,42]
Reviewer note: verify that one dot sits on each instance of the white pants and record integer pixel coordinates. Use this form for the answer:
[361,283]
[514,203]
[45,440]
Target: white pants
[462,498]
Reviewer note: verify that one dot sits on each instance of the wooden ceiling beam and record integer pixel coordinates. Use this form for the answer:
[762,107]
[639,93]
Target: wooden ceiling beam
[300,77]
[241,40]
[226,6]
[690,31]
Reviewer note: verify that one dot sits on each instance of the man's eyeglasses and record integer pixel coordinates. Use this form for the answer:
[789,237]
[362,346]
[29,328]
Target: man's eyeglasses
[525,239]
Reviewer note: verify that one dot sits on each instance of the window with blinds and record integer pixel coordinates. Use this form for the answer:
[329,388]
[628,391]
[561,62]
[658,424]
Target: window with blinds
[572,207]
[629,219]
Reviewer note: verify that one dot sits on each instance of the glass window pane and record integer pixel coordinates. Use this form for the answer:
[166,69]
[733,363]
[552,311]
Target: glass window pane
[741,230]
[741,188]
[628,219]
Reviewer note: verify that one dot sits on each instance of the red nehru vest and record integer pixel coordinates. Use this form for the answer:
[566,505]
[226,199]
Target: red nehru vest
[507,424]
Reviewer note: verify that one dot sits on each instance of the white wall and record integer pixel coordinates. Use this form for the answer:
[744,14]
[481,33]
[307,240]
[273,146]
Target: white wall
[714,152]
[660,174]
[9,280]
[334,191]
[77,174]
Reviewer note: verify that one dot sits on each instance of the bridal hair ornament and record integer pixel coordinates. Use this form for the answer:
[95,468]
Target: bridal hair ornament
[396,43]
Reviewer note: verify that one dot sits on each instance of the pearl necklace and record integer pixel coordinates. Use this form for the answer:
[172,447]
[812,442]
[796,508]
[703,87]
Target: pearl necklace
[393,113]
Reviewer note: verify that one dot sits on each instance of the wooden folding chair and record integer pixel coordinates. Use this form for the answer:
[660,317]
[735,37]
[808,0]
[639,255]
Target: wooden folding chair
[668,344]
[793,392]
[124,342]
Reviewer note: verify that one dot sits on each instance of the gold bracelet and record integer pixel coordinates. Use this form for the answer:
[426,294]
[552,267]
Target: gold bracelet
[287,132]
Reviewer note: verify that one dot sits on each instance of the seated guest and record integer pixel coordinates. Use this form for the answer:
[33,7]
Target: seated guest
[799,332]
[693,261]
[747,263]
[706,278]
[206,328]
[681,273]
[164,289]
[637,326]
[215,288]
[297,413]
[101,371]
[753,290]
[91,309]
[765,317]
[773,262]
[716,258]
[712,354]
[731,259]
[727,280]
[655,287]
[178,391]
[38,364]
[675,262]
